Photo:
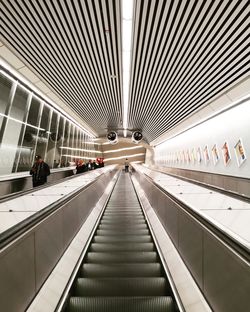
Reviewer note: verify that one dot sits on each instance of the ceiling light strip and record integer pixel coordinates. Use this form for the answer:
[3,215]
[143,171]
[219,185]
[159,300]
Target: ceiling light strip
[79,157]
[122,149]
[124,156]
[80,149]
[127,14]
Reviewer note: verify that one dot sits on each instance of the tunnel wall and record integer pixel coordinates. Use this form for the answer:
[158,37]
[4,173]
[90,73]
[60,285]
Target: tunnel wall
[186,153]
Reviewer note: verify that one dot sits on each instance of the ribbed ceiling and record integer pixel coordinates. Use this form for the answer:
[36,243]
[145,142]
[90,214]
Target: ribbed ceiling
[184,53]
[75,48]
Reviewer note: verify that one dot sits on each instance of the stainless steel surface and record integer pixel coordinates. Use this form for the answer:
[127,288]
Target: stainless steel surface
[26,263]
[221,273]
[24,183]
[226,278]
[190,245]
[49,245]
[113,259]
[17,275]
[236,185]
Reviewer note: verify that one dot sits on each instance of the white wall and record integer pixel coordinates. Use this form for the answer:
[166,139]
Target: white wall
[117,153]
[229,126]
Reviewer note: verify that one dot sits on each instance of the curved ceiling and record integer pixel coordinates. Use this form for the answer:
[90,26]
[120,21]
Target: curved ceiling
[184,53]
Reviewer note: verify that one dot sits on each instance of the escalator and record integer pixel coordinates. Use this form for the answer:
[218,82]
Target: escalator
[121,270]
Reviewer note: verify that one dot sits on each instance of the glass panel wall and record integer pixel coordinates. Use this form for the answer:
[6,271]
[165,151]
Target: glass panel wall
[12,129]
[65,143]
[29,127]
[60,139]
[71,145]
[43,133]
[52,139]
[27,144]
[5,87]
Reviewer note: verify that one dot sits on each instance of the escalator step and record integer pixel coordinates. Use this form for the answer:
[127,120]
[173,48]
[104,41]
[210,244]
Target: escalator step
[129,238]
[121,226]
[123,218]
[111,286]
[96,247]
[120,304]
[122,221]
[130,231]
[118,213]
[123,210]
[121,257]
[121,270]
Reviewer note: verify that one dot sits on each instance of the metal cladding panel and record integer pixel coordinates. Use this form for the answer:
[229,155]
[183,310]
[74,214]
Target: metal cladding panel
[226,277]
[184,54]
[17,275]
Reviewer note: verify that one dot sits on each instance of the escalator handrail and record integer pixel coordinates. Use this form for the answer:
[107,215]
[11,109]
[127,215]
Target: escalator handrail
[10,196]
[239,248]
[63,299]
[12,233]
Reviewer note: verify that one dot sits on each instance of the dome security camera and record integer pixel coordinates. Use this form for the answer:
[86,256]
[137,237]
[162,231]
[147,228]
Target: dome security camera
[112,137]
[137,137]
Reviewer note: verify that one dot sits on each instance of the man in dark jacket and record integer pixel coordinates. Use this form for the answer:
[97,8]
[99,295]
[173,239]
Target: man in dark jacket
[80,168]
[39,171]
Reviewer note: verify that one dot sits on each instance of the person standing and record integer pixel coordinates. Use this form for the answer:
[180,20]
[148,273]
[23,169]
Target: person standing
[39,171]
[89,166]
[80,168]
[126,165]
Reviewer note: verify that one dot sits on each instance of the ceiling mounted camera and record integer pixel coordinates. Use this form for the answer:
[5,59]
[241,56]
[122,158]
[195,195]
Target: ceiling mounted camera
[137,137]
[112,137]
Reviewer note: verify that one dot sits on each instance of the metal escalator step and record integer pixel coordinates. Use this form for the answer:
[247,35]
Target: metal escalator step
[121,304]
[128,217]
[121,270]
[122,213]
[122,257]
[123,286]
[122,226]
[123,210]
[127,202]
[105,247]
[123,206]
[130,231]
[119,220]
[122,221]
[127,199]
[129,238]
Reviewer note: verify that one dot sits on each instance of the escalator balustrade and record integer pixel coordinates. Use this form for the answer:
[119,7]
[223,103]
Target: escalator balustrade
[121,271]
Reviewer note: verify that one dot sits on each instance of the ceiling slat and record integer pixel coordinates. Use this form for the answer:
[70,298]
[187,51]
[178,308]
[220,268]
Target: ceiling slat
[184,53]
